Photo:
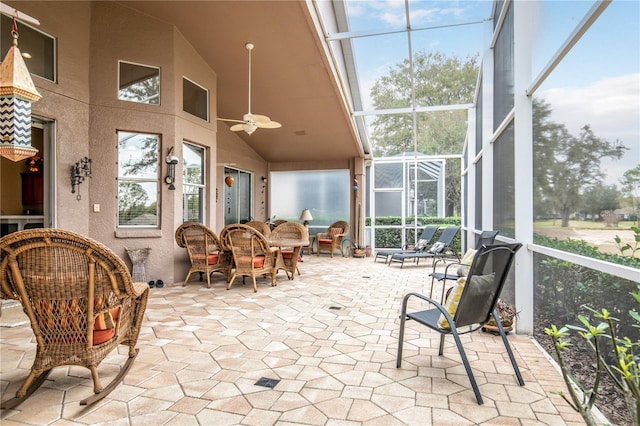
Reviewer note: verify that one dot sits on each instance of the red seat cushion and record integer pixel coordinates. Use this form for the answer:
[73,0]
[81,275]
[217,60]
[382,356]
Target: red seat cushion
[287,254]
[324,241]
[258,261]
[212,259]
[104,326]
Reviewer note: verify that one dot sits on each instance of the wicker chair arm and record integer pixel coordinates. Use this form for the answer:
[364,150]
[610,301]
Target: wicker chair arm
[139,289]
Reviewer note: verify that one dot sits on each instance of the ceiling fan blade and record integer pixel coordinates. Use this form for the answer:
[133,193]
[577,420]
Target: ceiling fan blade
[268,125]
[236,127]
[230,119]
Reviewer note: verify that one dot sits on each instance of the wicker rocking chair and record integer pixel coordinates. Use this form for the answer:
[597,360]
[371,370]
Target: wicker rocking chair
[80,300]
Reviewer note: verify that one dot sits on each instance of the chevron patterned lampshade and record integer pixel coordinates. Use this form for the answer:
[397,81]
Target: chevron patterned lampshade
[17,92]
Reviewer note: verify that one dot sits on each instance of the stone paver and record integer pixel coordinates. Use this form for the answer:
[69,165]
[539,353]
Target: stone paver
[329,336]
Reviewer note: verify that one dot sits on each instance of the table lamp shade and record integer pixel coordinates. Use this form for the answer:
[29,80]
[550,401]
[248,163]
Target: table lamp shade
[306,215]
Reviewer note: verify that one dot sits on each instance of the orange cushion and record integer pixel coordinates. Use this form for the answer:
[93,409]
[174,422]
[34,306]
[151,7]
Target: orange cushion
[322,240]
[104,326]
[101,336]
[287,254]
[258,261]
[212,259]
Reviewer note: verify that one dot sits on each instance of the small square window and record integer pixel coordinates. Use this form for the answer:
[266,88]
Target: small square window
[195,99]
[139,83]
[38,49]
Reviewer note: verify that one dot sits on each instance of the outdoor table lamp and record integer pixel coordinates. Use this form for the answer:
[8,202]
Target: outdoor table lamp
[306,217]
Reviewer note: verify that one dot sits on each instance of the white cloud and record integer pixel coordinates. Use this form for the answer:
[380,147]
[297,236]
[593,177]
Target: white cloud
[611,107]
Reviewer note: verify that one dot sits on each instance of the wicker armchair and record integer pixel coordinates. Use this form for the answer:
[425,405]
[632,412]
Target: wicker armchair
[252,256]
[276,223]
[332,239]
[263,227]
[205,254]
[79,298]
[288,260]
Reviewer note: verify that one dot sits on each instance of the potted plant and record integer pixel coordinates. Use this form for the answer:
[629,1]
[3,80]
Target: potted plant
[357,250]
[507,313]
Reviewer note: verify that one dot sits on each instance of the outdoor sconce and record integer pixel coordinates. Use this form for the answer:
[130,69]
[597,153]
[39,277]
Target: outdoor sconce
[171,161]
[229,181]
[264,179]
[79,172]
[355,184]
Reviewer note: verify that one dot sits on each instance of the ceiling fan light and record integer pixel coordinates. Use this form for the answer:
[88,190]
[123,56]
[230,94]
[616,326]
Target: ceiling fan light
[249,128]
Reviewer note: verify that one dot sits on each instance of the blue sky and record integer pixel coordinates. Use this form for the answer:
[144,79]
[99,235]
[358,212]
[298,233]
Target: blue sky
[598,83]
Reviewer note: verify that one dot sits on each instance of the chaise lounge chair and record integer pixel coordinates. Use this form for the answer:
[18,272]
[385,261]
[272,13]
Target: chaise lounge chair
[439,250]
[424,242]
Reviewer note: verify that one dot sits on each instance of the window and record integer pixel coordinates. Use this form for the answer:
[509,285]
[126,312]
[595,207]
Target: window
[139,83]
[193,188]
[195,99]
[138,177]
[325,192]
[37,48]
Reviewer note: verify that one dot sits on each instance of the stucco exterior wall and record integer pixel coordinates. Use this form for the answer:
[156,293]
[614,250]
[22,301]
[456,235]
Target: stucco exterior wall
[91,37]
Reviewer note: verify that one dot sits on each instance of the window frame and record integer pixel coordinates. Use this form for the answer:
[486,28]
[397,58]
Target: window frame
[202,187]
[159,94]
[24,46]
[205,90]
[135,179]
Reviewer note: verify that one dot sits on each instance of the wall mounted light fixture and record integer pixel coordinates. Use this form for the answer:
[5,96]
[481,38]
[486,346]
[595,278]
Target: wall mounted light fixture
[79,172]
[171,161]
[264,179]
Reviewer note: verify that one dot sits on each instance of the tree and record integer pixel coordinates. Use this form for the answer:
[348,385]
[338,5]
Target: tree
[599,198]
[631,188]
[565,166]
[439,80]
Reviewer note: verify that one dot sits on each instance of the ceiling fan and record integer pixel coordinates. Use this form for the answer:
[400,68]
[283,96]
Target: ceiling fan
[250,122]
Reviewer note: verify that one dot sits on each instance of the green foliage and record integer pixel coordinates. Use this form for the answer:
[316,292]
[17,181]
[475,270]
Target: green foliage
[583,248]
[600,198]
[631,187]
[632,249]
[392,237]
[622,365]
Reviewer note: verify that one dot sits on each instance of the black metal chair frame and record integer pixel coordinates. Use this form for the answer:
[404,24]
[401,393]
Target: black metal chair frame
[471,313]
[446,237]
[486,238]
[427,236]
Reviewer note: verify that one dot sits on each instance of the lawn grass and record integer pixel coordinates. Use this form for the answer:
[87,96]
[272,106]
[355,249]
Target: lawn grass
[582,224]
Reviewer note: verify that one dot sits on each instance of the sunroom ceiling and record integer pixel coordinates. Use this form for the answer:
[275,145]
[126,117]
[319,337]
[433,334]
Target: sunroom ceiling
[318,89]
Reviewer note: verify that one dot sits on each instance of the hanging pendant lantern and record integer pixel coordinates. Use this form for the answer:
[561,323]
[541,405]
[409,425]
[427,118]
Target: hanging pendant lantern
[229,181]
[17,92]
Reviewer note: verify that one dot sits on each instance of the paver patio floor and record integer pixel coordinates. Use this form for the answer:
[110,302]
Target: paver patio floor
[329,337]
